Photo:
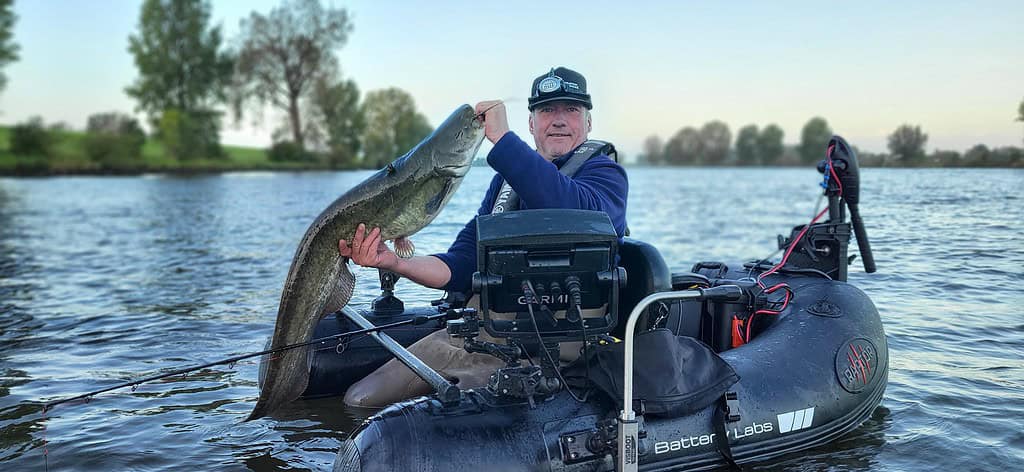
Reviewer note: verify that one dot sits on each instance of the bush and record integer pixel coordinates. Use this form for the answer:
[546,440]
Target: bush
[190,135]
[288,151]
[977,156]
[1006,157]
[946,158]
[31,138]
[114,140]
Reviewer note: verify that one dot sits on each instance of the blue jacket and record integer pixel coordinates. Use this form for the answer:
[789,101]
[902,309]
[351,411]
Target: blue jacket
[600,184]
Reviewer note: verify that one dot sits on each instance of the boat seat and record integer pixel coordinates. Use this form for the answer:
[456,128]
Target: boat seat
[646,273]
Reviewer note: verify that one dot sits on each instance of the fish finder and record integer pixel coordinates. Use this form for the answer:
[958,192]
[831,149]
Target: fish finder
[550,271]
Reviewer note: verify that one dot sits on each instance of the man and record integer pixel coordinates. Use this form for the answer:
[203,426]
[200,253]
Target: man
[559,122]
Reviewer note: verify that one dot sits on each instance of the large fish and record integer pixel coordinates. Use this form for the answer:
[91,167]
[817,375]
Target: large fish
[401,199]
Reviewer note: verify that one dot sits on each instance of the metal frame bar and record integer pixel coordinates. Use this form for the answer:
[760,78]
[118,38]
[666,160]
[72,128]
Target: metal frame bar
[446,391]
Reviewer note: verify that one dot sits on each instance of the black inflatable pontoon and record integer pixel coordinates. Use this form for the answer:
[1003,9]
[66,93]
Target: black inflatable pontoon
[807,348]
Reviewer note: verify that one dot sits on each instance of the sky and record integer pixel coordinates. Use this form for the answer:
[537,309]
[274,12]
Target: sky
[954,68]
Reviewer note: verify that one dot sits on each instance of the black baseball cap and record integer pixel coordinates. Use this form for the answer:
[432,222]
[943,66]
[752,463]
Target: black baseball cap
[559,84]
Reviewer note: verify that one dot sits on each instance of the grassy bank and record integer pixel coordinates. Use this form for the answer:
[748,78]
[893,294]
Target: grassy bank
[67,155]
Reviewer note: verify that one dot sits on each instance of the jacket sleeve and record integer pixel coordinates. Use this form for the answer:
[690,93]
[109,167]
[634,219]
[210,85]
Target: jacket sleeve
[600,184]
[461,255]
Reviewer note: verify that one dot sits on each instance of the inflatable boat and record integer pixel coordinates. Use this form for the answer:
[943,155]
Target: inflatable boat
[726,364]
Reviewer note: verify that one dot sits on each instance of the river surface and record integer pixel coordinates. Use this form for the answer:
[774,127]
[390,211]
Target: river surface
[107,279]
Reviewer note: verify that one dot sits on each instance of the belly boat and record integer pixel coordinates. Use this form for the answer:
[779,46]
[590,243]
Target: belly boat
[808,351]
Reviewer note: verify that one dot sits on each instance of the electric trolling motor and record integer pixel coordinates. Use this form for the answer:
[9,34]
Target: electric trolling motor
[824,247]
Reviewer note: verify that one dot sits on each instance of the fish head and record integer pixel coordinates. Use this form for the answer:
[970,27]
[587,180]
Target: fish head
[455,142]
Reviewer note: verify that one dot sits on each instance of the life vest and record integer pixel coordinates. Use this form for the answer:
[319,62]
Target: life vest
[508,200]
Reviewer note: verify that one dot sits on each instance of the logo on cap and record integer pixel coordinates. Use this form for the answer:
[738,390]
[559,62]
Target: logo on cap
[549,84]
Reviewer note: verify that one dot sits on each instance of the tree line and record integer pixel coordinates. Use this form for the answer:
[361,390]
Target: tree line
[713,145]
[192,81]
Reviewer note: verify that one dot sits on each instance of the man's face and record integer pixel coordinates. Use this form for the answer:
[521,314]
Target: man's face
[558,127]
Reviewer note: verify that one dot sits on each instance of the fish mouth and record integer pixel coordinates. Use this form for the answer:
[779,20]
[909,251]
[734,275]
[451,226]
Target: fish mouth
[454,170]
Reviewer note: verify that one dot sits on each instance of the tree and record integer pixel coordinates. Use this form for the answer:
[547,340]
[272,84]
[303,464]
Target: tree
[684,148]
[747,151]
[183,74]
[814,140]
[114,140]
[393,126]
[1007,156]
[283,54]
[653,148]
[1020,111]
[977,156]
[337,111]
[769,144]
[31,139]
[8,48]
[907,144]
[179,59]
[715,140]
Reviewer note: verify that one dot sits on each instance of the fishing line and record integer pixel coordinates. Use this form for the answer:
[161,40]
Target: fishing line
[233,360]
[500,102]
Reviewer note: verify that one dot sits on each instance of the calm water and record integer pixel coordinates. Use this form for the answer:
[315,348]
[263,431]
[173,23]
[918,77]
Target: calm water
[105,279]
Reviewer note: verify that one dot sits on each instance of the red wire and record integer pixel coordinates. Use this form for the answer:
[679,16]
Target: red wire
[832,172]
[785,303]
[832,169]
[789,250]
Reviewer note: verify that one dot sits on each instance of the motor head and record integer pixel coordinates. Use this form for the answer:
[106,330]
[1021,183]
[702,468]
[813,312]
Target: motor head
[847,169]
[844,161]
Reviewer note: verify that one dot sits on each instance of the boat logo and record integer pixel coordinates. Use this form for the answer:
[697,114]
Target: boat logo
[796,420]
[856,364]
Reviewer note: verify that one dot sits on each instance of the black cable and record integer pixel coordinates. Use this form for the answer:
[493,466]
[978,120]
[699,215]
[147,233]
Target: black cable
[760,265]
[575,301]
[586,358]
[531,298]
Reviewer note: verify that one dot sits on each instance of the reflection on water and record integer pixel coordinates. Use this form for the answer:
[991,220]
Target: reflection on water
[107,279]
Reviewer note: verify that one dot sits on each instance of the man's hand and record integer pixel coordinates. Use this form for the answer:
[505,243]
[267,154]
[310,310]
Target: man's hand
[368,250]
[495,120]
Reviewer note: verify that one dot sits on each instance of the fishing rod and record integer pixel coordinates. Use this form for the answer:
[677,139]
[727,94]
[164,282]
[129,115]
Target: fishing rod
[416,320]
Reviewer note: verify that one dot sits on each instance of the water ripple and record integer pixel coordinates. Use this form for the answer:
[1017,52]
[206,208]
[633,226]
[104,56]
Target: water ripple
[103,280]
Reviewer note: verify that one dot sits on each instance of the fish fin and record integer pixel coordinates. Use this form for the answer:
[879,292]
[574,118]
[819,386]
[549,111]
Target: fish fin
[341,292]
[433,205]
[404,247]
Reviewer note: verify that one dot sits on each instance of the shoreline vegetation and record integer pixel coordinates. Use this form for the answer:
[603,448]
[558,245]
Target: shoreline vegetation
[192,80]
[70,153]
